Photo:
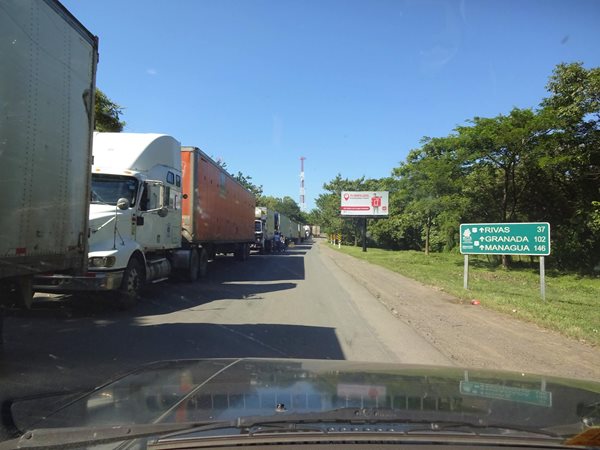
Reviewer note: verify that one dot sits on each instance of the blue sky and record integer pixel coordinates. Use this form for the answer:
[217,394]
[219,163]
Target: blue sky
[350,85]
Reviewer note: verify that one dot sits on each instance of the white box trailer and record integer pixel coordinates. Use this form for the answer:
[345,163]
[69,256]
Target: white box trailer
[47,85]
[285,226]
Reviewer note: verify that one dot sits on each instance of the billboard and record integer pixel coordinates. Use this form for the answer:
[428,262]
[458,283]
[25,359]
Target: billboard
[364,203]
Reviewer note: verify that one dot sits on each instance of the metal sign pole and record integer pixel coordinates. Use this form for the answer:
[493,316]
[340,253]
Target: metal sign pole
[466,273]
[542,278]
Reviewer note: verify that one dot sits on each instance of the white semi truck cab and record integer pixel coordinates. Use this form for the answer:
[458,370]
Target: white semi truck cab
[134,219]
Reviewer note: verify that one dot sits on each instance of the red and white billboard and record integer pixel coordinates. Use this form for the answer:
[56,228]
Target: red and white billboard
[365,203]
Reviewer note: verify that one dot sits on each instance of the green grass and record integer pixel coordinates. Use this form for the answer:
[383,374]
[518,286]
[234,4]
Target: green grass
[572,305]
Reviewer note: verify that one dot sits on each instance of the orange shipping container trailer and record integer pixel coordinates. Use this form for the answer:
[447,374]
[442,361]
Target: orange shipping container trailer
[218,212]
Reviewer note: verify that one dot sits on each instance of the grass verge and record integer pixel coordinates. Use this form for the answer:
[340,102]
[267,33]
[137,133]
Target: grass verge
[572,305]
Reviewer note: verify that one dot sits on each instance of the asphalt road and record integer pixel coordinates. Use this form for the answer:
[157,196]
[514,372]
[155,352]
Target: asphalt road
[296,304]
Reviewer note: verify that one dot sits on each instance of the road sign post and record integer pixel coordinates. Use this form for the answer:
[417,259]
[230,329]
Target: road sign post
[466,273]
[524,238]
[542,278]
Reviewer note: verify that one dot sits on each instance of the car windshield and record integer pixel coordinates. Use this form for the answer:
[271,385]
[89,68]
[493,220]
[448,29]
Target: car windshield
[109,189]
[267,208]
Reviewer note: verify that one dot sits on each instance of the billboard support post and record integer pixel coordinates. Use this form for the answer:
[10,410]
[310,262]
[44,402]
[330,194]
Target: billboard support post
[364,234]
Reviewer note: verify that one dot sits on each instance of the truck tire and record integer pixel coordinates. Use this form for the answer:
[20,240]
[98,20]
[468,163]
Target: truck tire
[212,253]
[133,280]
[17,292]
[194,266]
[203,266]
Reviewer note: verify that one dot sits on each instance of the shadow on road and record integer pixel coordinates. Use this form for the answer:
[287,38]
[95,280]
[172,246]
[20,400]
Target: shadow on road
[64,345]
[78,354]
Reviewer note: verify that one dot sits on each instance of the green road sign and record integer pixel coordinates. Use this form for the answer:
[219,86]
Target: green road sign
[527,238]
[512,394]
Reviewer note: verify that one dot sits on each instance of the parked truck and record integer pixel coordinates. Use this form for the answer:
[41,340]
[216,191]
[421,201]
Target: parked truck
[285,226]
[218,212]
[264,229]
[47,85]
[157,210]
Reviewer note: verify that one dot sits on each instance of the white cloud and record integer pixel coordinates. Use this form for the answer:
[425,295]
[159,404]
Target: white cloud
[151,71]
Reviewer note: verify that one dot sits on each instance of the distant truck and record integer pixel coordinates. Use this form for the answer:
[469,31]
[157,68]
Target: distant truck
[47,85]
[284,226]
[316,230]
[306,230]
[295,232]
[157,210]
[264,229]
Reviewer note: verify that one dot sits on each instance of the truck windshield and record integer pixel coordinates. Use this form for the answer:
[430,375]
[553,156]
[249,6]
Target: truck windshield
[258,225]
[110,188]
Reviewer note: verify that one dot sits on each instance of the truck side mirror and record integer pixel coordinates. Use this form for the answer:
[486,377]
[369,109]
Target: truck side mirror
[123,203]
[163,212]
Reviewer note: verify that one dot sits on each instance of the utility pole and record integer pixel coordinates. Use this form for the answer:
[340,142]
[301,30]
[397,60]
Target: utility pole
[302,201]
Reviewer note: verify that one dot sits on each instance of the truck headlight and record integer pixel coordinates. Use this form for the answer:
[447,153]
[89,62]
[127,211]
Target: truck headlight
[102,261]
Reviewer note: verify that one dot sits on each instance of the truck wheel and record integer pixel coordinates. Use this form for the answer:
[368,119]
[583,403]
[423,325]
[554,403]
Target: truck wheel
[212,253]
[194,266]
[20,291]
[133,279]
[203,266]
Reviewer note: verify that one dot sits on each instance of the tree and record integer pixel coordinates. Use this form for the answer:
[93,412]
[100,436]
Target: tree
[246,181]
[499,154]
[571,163]
[107,114]
[328,205]
[286,206]
[431,183]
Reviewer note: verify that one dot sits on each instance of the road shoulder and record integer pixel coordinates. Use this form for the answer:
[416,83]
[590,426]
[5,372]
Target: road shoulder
[471,336]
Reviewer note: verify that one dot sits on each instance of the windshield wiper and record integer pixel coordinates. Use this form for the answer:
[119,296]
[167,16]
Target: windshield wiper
[51,438]
[412,422]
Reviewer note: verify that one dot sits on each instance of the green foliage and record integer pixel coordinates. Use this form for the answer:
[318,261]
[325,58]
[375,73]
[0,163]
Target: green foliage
[329,207]
[286,206]
[107,114]
[246,181]
[528,165]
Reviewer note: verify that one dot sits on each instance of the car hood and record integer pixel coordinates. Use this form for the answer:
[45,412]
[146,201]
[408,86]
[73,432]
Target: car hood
[224,389]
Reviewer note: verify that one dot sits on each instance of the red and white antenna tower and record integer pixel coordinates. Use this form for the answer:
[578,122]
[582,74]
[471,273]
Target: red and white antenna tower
[302,201]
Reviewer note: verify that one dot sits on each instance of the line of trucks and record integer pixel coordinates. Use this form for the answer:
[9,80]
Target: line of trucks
[269,222]
[101,212]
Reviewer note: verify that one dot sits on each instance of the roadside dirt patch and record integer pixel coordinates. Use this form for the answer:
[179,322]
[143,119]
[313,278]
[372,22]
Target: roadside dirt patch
[471,335]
